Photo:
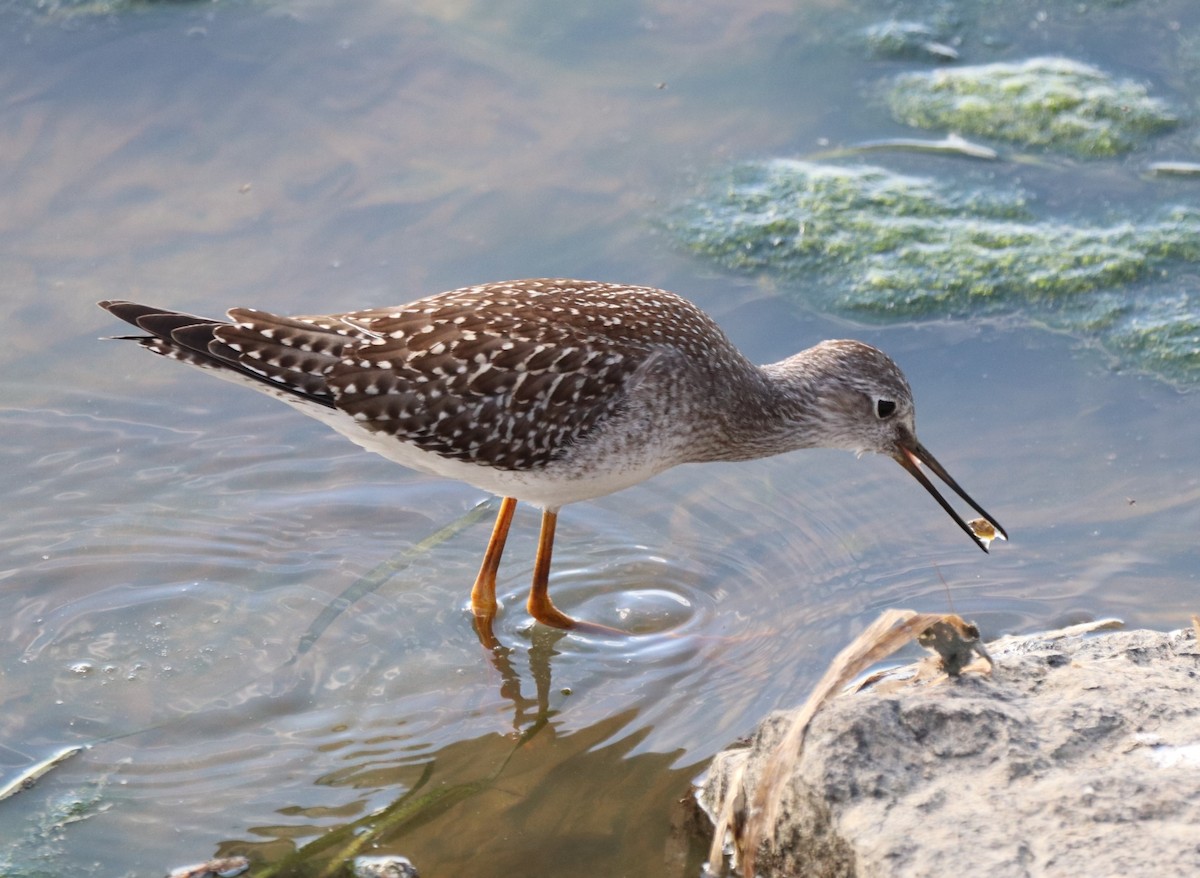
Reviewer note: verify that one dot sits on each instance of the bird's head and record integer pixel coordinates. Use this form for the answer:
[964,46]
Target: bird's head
[858,399]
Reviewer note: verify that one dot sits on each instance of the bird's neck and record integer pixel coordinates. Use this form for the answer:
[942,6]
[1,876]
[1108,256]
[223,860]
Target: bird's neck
[768,411]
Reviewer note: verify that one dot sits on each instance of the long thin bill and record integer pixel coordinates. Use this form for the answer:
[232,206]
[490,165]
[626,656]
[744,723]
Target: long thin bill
[911,455]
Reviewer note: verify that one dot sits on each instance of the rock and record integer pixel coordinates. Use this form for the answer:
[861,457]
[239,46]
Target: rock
[221,867]
[1077,756]
[388,866]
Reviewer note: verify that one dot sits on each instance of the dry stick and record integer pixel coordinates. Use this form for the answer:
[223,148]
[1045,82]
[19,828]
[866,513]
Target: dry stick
[892,630]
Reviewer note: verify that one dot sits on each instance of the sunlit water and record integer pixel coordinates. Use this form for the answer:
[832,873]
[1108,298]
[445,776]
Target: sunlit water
[174,548]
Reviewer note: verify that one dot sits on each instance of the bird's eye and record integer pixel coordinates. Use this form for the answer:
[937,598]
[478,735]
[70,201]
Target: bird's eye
[884,409]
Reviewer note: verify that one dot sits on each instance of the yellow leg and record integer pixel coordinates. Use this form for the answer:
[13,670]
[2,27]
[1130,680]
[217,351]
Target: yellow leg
[539,603]
[483,593]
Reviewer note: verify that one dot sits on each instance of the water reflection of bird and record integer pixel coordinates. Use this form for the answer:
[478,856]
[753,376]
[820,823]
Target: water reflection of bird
[552,391]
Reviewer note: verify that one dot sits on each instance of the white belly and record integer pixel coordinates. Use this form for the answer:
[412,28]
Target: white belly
[611,460]
[603,471]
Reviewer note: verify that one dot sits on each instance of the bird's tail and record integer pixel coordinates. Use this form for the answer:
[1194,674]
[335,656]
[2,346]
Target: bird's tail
[277,355]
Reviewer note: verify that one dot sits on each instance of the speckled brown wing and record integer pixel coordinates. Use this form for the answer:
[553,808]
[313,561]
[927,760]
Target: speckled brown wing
[510,379]
[509,375]
[294,354]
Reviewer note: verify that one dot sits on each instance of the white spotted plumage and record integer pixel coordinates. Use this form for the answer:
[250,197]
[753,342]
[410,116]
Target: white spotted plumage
[547,390]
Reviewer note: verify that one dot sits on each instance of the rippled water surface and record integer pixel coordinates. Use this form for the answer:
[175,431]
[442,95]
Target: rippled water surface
[261,631]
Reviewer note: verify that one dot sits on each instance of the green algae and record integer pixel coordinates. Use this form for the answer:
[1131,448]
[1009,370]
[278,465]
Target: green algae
[39,850]
[1052,103]
[798,218]
[879,246]
[1159,335]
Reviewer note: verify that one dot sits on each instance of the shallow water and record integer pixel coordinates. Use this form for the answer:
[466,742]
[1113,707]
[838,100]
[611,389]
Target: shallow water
[174,548]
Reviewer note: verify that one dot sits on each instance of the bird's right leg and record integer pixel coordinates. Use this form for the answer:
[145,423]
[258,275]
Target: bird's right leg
[483,593]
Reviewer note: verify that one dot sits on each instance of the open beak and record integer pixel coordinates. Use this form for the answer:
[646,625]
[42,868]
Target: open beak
[910,454]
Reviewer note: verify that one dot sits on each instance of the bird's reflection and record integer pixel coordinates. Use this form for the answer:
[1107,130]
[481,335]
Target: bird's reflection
[529,714]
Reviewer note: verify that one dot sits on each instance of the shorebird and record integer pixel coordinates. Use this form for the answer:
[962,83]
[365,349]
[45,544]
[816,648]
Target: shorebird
[552,391]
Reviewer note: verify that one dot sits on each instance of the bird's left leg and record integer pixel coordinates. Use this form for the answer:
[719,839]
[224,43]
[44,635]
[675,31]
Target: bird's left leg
[539,604]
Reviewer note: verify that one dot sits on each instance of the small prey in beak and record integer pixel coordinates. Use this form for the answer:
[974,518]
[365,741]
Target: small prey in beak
[910,454]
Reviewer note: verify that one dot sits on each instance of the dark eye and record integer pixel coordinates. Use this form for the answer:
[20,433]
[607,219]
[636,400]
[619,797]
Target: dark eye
[884,409]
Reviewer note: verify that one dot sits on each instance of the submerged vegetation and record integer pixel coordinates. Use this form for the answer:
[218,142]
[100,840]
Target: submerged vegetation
[39,850]
[876,245]
[1055,103]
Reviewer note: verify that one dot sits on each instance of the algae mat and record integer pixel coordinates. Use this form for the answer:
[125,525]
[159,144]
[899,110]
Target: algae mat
[878,246]
[1055,103]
